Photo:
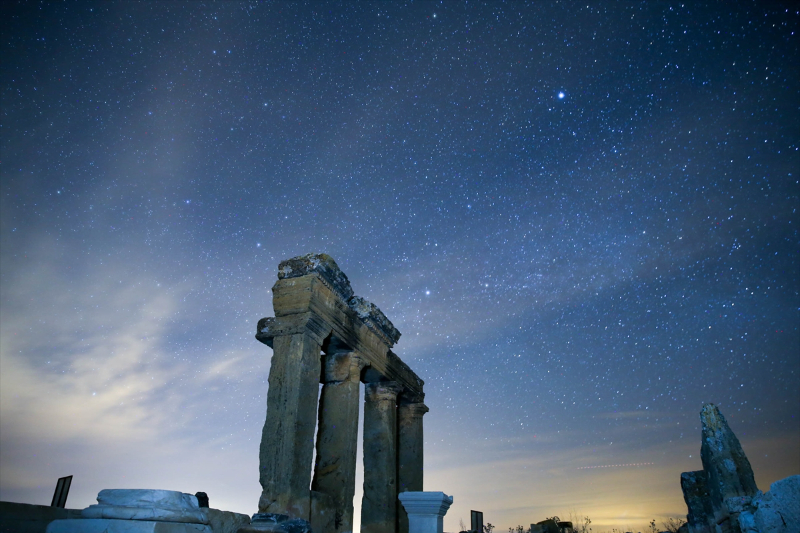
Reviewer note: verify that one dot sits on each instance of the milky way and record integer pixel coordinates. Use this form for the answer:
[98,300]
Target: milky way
[583,220]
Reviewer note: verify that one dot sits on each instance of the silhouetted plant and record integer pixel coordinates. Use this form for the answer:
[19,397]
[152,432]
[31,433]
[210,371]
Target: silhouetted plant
[673,525]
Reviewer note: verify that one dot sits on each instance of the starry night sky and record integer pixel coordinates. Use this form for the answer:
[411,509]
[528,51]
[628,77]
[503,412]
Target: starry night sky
[582,218]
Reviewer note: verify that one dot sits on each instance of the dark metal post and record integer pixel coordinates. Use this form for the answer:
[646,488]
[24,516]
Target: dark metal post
[62,490]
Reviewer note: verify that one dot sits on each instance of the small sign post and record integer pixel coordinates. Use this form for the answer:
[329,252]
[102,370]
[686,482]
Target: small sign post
[476,517]
[62,490]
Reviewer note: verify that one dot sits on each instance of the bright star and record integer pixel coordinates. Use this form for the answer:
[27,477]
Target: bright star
[561,95]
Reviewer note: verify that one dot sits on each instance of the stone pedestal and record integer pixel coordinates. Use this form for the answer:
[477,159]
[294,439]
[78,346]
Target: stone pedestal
[425,510]
[337,436]
[409,454]
[138,511]
[287,441]
[378,508]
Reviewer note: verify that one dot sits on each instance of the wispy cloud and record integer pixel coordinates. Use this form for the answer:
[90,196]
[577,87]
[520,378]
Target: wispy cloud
[90,384]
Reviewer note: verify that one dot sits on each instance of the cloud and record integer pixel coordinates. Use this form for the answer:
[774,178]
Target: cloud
[82,361]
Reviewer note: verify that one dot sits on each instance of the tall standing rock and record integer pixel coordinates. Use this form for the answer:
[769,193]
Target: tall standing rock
[728,471]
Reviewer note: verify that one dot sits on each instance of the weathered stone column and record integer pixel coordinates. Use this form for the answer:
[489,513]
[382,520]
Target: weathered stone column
[337,435]
[287,440]
[410,443]
[378,508]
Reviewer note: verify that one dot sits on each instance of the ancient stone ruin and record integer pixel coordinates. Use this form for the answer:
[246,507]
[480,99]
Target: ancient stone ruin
[723,497]
[324,334]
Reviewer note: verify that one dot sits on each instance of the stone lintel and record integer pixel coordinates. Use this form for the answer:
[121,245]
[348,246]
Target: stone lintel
[306,303]
[323,266]
[374,319]
[298,295]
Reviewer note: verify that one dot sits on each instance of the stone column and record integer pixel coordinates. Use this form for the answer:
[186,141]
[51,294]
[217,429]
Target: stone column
[426,510]
[337,435]
[409,454]
[287,441]
[378,509]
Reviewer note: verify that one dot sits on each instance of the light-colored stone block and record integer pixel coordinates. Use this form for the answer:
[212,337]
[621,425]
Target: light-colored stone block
[425,510]
[165,499]
[105,525]
[147,504]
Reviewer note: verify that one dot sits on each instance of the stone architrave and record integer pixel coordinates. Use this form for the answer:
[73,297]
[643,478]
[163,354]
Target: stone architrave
[425,510]
[287,440]
[409,454]
[728,471]
[695,493]
[378,508]
[337,435]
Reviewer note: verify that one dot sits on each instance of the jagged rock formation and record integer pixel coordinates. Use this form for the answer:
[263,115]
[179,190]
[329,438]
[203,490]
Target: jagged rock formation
[695,493]
[728,470]
[777,511]
[724,498]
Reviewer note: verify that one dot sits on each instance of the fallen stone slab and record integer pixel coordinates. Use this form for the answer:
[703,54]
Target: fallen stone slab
[138,511]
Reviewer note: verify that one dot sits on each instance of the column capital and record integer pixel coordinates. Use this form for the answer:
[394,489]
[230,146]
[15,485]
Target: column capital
[343,366]
[382,391]
[305,323]
[415,409]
